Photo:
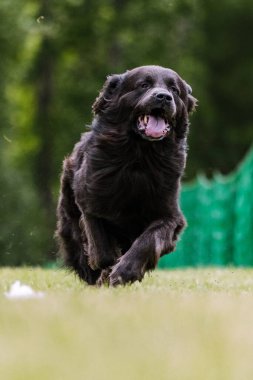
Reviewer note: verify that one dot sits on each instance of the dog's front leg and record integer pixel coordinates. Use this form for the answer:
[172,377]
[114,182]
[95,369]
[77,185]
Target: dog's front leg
[159,238]
[101,249]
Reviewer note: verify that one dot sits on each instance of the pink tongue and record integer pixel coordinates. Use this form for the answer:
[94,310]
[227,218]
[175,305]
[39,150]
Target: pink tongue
[155,126]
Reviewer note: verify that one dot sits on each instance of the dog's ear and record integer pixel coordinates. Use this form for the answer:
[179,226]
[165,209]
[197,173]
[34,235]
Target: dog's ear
[191,101]
[107,94]
[182,122]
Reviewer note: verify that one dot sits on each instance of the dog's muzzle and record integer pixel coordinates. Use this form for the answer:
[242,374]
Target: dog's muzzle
[156,115]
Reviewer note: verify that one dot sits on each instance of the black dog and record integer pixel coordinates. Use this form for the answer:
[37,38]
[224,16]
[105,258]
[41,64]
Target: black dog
[118,211]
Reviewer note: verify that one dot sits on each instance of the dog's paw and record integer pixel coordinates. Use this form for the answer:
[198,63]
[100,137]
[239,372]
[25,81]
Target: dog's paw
[104,277]
[125,272]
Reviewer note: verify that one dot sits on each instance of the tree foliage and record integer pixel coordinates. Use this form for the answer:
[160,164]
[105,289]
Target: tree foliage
[55,57]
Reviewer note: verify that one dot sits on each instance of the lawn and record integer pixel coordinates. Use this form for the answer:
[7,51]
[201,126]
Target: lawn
[191,324]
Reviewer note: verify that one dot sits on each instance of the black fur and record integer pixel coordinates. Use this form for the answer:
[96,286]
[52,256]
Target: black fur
[118,210]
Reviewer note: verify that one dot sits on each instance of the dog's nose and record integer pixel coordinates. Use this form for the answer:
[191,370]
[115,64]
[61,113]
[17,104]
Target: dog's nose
[163,97]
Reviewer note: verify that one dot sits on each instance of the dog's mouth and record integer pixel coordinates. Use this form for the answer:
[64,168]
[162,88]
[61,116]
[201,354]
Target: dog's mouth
[153,126]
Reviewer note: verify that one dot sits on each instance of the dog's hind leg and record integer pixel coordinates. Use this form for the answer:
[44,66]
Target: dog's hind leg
[72,241]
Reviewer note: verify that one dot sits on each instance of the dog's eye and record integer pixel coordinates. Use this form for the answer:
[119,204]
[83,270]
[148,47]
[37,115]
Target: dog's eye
[175,90]
[144,85]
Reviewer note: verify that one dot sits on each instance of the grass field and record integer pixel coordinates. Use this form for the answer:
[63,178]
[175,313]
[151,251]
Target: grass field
[192,324]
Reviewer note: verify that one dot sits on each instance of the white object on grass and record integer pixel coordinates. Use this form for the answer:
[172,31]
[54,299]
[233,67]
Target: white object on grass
[18,290]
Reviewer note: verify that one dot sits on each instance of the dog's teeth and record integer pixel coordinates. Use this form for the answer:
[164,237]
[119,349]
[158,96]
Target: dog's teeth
[145,119]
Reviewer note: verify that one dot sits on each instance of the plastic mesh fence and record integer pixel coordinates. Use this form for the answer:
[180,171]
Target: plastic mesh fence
[219,214]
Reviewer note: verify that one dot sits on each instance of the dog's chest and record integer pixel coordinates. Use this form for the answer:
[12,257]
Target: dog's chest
[128,191]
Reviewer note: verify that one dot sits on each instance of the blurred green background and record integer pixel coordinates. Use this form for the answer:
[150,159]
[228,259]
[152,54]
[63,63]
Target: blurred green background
[54,57]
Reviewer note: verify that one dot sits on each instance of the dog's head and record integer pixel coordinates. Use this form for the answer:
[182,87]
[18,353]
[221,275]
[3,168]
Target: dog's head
[154,101]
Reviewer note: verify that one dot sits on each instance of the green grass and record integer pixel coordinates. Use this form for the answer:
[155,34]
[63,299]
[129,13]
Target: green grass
[185,325]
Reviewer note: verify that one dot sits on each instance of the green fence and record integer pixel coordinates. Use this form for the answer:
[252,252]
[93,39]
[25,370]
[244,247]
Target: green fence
[220,221]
